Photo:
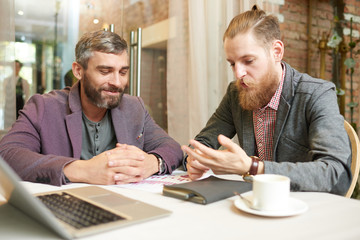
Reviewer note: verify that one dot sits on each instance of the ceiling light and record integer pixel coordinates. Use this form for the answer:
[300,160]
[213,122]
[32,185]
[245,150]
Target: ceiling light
[20,12]
[96,21]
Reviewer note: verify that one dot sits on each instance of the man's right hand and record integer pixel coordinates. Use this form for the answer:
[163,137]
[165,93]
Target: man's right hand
[195,169]
[94,170]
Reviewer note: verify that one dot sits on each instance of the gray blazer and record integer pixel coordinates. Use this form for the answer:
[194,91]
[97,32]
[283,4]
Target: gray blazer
[311,145]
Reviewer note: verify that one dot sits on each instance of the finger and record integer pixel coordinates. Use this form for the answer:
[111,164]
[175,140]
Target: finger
[228,143]
[124,173]
[212,153]
[195,173]
[192,153]
[194,176]
[130,147]
[198,166]
[126,165]
[124,179]
[127,148]
[116,163]
[118,154]
[192,160]
[120,145]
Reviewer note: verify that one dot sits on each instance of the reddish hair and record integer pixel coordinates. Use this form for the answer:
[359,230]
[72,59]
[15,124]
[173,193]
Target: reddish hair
[265,28]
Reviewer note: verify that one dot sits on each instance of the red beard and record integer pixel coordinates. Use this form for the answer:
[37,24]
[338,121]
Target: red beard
[258,95]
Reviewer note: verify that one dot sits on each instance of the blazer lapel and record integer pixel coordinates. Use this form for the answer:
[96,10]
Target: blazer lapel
[281,116]
[248,144]
[284,106]
[74,128]
[119,123]
[74,120]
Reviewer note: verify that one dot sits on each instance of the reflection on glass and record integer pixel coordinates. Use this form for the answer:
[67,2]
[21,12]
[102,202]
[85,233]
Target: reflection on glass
[7,85]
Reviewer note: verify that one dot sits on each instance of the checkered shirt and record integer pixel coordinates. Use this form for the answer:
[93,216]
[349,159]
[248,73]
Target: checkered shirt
[264,124]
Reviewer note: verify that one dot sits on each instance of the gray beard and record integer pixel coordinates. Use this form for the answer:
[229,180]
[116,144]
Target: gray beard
[95,97]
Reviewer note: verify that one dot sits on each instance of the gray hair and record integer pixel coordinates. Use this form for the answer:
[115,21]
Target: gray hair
[98,41]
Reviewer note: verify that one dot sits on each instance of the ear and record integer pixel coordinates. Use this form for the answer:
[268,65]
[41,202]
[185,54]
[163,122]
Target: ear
[77,70]
[278,50]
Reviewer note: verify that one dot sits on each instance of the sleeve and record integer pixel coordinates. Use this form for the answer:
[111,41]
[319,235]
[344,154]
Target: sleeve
[158,142]
[326,159]
[221,122]
[22,147]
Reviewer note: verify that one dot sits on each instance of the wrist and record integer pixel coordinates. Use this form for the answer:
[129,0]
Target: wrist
[160,164]
[73,172]
[261,169]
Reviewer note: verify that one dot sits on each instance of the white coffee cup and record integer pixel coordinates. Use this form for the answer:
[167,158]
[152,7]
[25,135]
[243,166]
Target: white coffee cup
[270,192]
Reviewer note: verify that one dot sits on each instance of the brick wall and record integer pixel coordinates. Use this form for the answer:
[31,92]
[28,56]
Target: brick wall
[352,9]
[295,36]
[294,27]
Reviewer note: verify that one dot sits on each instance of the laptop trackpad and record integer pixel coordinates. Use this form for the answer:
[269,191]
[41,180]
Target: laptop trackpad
[111,199]
[102,196]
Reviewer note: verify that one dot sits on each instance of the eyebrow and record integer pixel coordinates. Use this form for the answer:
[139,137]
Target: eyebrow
[110,68]
[242,57]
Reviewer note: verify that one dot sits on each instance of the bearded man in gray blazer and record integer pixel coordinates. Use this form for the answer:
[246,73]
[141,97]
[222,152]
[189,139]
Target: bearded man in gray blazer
[286,122]
[94,121]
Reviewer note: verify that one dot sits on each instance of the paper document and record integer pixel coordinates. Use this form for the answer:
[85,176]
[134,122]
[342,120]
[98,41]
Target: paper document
[155,183]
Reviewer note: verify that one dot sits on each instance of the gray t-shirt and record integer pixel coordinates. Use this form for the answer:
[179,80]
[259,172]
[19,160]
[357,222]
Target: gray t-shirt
[97,137]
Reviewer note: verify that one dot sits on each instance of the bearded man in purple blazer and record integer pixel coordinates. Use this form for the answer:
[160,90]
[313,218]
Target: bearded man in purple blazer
[91,132]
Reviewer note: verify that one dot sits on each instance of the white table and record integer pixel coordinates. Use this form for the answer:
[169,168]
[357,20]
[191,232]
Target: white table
[329,217]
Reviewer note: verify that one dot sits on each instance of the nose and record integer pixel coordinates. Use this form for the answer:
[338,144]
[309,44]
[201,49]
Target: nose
[118,80]
[239,71]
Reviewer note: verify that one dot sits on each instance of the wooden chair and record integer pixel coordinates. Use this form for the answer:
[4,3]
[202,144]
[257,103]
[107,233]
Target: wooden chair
[355,161]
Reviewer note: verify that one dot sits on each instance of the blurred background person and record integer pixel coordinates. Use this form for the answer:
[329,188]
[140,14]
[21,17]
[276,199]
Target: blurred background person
[22,88]
[69,78]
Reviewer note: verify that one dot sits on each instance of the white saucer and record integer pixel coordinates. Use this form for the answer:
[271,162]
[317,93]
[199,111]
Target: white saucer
[296,207]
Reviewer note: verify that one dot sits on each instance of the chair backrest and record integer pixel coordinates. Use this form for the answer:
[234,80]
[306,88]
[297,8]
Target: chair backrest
[355,161]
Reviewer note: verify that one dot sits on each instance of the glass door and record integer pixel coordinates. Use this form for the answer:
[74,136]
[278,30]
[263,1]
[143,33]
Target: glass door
[146,22]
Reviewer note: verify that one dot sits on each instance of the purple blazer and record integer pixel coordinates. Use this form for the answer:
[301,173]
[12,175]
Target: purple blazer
[47,135]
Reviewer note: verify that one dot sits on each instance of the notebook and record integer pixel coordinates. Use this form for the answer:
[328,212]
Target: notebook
[126,210]
[207,190]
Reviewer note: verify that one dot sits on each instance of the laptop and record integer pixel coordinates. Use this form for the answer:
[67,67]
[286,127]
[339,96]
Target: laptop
[112,210]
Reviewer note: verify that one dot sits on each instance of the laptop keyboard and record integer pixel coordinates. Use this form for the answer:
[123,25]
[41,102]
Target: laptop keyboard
[77,212]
